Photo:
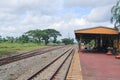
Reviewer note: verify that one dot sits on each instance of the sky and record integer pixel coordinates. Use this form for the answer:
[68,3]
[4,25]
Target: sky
[20,16]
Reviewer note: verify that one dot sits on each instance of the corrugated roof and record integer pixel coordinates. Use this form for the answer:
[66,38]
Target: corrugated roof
[98,30]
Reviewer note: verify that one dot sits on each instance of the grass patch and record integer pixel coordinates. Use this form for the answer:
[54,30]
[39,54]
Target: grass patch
[12,48]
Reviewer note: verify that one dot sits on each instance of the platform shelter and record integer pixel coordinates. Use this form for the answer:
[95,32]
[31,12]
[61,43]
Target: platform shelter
[104,37]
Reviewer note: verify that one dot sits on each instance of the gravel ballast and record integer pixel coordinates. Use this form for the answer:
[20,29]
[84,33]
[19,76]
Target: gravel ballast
[23,68]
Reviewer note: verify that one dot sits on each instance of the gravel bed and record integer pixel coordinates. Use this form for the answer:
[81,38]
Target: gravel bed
[48,72]
[18,69]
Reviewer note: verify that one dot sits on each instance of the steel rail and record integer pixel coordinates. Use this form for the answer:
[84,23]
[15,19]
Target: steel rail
[34,75]
[10,59]
[56,72]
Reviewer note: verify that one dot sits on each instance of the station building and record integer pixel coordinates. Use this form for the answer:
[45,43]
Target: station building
[104,37]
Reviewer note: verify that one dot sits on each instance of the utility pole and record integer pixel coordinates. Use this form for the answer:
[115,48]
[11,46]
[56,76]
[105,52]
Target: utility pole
[68,35]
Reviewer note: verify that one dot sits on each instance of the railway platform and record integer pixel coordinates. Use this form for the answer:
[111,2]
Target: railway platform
[99,66]
[75,69]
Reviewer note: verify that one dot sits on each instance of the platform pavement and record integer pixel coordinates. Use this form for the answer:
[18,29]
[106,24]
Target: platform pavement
[99,66]
[75,68]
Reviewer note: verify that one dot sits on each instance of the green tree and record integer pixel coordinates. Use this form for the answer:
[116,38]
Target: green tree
[1,40]
[86,41]
[52,33]
[45,36]
[10,39]
[116,15]
[58,42]
[92,43]
[67,41]
[4,40]
[23,39]
[35,34]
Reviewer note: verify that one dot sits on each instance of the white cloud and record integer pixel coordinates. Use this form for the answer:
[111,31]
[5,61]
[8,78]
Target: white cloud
[7,29]
[38,6]
[99,14]
[19,16]
[88,4]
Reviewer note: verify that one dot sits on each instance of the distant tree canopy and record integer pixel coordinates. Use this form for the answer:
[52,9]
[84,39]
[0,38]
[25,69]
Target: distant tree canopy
[52,33]
[36,35]
[116,14]
[22,39]
[46,36]
[10,39]
[43,35]
[67,41]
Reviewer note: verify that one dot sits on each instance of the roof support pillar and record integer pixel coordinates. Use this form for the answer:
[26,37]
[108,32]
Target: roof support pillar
[101,41]
[79,44]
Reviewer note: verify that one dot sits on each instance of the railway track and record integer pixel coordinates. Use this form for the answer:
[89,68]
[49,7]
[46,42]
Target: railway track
[57,69]
[14,58]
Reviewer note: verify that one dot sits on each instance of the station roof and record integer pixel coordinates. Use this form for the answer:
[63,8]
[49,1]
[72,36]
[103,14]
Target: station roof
[97,30]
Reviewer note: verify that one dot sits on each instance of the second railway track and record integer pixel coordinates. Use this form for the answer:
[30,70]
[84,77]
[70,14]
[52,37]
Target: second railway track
[14,58]
[55,70]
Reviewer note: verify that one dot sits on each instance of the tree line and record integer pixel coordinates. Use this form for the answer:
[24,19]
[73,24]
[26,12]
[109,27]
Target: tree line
[38,36]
